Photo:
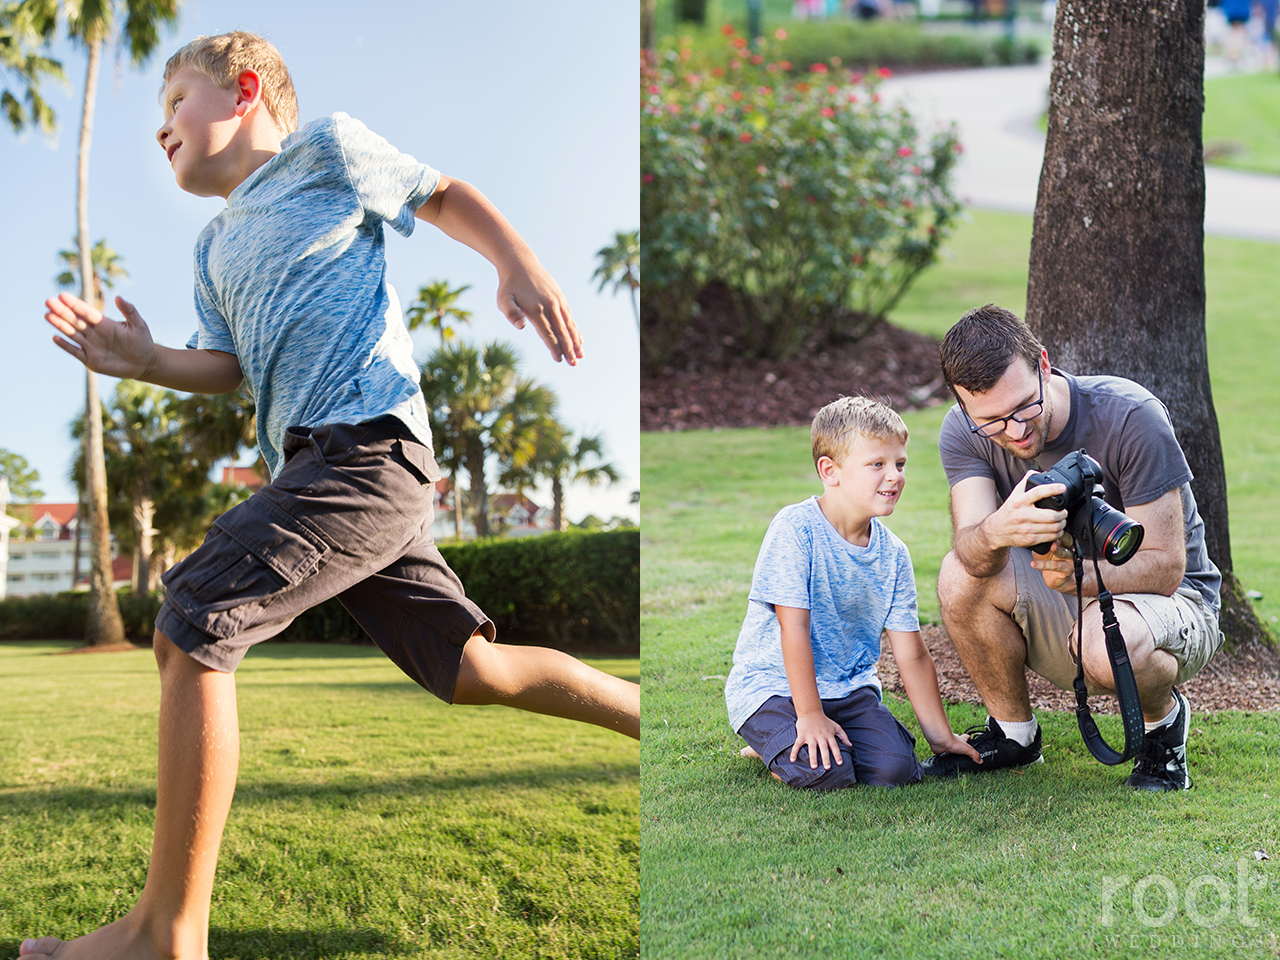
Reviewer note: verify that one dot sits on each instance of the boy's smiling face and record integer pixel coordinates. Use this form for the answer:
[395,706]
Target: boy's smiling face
[867,483]
[201,121]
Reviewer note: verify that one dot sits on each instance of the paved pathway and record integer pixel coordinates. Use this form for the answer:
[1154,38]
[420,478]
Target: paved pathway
[996,111]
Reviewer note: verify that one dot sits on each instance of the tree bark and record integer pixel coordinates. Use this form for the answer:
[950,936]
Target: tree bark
[479,489]
[1116,283]
[104,625]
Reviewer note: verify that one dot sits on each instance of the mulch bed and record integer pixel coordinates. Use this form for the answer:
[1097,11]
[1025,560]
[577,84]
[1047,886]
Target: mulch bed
[706,386]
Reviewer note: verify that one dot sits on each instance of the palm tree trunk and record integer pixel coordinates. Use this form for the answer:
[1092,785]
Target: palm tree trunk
[479,491]
[144,515]
[557,505]
[457,507]
[104,624]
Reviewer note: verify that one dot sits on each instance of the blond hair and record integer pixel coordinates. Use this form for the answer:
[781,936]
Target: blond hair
[224,57]
[837,423]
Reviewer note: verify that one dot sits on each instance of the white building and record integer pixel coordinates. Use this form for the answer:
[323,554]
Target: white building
[45,561]
[7,523]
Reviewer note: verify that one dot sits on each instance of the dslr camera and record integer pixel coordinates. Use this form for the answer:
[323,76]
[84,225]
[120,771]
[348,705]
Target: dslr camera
[1092,522]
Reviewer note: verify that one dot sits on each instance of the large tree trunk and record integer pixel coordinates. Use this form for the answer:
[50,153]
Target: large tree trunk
[1116,280]
[104,625]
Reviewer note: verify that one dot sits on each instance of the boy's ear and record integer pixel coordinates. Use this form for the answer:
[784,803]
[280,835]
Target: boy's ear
[248,91]
[828,471]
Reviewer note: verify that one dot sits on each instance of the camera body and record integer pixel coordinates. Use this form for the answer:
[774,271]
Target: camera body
[1090,519]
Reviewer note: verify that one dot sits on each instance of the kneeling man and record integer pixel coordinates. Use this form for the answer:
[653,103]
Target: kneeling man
[1007,608]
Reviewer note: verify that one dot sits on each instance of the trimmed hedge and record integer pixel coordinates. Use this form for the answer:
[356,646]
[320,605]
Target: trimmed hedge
[573,590]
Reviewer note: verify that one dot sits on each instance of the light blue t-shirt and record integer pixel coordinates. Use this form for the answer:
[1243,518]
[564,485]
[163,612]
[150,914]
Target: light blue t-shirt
[852,593]
[291,278]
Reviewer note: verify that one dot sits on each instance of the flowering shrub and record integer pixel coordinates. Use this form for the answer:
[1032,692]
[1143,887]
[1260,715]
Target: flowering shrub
[809,197]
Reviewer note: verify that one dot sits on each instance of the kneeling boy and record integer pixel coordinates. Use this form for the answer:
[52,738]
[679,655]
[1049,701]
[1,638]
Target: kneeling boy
[830,577]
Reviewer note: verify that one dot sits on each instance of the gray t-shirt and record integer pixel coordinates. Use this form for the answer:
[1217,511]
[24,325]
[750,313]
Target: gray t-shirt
[291,278]
[1128,431]
[851,593]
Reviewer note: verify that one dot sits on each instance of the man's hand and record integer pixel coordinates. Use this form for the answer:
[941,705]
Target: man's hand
[821,735]
[1020,523]
[100,343]
[1057,567]
[528,292]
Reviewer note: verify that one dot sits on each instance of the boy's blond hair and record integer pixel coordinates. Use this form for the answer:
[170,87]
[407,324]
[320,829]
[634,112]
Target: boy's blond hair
[224,57]
[838,422]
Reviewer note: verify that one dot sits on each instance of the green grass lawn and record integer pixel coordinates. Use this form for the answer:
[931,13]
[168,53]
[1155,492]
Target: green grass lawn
[370,819]
[1242,121]
[1054,861]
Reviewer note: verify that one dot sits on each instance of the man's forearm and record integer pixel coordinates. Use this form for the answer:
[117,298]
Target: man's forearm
[974,550]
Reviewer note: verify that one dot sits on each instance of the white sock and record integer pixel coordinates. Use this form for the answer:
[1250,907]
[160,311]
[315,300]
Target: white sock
[1169,718]
[1023,731]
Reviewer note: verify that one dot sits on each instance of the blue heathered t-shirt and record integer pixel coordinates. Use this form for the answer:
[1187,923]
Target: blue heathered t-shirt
[291,278]
[852,593]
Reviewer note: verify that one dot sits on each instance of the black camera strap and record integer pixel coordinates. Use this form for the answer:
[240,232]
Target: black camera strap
[1121,672]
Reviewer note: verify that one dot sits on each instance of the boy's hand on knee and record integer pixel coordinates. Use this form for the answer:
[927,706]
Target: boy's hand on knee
[822,736]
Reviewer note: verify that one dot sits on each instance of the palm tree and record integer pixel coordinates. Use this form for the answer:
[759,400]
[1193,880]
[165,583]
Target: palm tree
[435,305]
[91,25]
[108,267]
[469,391]
[620,265]
[19,35]
[581,462]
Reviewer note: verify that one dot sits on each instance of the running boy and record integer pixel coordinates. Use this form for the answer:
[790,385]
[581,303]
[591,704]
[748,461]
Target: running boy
[803,691]
[290,295]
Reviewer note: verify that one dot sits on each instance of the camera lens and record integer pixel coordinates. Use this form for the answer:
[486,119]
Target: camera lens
[1123,541]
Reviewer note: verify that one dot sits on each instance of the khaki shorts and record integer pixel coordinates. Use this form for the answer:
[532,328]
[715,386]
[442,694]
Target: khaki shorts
[1183,624]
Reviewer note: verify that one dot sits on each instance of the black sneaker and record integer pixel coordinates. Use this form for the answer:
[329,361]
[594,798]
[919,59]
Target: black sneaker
[998,752]
[1162,762]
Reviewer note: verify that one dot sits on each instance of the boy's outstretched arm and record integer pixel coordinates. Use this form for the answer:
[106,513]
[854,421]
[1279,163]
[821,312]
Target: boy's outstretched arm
[525,289]
[920,678]
[125,349]
[814,728]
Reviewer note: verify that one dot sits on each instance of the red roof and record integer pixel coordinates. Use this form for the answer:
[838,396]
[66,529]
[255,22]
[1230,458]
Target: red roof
[34,513]
[243,476]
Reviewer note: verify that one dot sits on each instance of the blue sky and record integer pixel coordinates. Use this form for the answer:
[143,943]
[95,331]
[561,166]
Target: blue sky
[534,103]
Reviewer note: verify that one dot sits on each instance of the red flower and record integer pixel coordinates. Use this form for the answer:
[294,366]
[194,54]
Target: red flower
[780,34]
[819,68]
[827,112]
[744,137]
[757,59]
[647,178]
[762,169]
[764,91]
[833,89]
[736,95]
[904,151]
[856,78]
[917,171]
[857,258]
[654,88]
[727,30]
[885,72]
[853,98]
[785,64]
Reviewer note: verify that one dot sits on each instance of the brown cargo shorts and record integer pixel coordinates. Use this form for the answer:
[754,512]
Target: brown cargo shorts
[349,516]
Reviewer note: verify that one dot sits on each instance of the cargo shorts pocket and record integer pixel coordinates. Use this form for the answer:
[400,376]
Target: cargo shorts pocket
[249,558]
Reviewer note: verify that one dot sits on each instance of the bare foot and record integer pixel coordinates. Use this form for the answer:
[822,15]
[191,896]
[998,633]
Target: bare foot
[121,940]
[747,753]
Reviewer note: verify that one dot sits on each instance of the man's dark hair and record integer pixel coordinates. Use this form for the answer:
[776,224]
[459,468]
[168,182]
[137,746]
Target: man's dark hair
[977,351]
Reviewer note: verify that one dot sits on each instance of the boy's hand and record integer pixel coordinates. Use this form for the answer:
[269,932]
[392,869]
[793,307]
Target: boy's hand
[100,343]
[822,735]
[529,292]
[954,743]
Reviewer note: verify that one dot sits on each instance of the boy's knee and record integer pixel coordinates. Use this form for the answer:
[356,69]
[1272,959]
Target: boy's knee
[800,775]
[891,770]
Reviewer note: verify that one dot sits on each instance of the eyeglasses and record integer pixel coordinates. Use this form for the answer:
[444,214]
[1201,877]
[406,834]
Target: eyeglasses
[994,428]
